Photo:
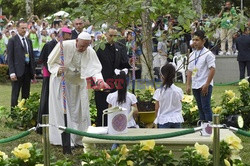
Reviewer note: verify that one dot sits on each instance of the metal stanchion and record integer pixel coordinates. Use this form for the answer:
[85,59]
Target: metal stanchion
[216,140]
[45,140]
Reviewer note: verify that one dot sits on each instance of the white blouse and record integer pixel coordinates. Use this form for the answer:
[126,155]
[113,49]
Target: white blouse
[170,105]
[130,100]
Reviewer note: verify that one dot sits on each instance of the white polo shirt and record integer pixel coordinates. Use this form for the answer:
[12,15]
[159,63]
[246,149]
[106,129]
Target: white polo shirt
[200,61]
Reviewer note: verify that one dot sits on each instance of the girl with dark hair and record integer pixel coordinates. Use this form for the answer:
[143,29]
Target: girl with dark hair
[168,98]
[122,97]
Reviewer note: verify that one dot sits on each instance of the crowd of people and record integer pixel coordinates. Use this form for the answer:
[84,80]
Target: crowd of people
[26,44]
[226,40]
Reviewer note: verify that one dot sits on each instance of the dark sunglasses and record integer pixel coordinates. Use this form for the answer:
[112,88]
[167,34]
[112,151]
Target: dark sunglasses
[112,35]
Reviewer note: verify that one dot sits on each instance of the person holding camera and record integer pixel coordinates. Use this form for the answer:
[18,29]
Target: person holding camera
[162,48]
[227,14]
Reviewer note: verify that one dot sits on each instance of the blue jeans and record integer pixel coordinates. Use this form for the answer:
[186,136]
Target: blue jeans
[204,103]
[169,125]
[2,59]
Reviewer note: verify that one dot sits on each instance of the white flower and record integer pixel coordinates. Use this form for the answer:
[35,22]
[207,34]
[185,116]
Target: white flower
[3,155]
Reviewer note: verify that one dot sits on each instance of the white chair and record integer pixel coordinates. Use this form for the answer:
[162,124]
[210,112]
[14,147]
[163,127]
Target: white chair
[180,62]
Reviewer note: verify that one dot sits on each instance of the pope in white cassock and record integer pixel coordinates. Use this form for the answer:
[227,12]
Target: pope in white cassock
[80,62]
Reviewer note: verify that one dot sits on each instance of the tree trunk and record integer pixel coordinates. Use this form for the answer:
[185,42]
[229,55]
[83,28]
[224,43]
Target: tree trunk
[147,57]
[197,7]
[29,8]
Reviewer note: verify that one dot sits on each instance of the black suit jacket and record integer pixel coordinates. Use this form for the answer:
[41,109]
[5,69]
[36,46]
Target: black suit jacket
[47,48]
[243,46]
[16,56]
[108,65]
[74,34]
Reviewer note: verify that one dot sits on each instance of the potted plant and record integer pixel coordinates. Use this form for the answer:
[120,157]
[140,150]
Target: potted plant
[146,105]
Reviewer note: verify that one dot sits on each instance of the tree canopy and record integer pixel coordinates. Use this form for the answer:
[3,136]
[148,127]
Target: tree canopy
[16,8]
[75,7]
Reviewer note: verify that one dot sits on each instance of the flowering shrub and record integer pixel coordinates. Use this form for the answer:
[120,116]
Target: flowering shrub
[24,115]
[244,89]
[233,105]
[229,151]
[230,102]
[147,153]
[217,110]
[144,154]
[190,110]
[230,105]
[198,155]
[3,158]
[28,154]
[25,154]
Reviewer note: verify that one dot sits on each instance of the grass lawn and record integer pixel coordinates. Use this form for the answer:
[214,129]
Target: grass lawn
[5,90]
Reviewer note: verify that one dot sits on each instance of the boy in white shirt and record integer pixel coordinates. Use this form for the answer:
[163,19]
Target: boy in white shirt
[201,70]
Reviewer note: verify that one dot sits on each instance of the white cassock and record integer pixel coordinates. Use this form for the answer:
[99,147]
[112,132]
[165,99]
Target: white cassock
[79,66]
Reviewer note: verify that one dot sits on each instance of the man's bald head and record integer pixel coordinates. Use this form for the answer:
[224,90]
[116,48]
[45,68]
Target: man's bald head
[111,34]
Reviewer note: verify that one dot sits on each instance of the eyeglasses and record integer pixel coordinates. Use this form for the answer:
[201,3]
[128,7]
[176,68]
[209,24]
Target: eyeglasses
[80,23]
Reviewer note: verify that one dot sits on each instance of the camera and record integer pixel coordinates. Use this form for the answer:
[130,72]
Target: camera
[226,8]
[56,23]
[201,22]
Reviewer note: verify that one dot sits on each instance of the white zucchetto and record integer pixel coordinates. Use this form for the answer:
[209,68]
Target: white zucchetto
[84,36]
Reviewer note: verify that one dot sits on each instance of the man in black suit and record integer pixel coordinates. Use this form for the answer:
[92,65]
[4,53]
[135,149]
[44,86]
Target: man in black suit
[21,63]
[243,46]
[78,24]
[114,56]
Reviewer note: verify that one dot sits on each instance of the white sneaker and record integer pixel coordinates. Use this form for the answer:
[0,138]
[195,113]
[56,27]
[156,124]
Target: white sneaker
[228,53]
[236,53]
[221,53]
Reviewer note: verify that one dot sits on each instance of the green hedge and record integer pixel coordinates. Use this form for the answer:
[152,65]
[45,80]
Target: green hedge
[4,73]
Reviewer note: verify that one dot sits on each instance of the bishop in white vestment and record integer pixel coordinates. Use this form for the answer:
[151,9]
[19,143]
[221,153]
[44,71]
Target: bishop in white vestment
[80,62]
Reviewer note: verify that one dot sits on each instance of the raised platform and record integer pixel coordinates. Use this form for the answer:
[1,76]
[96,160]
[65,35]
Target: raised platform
[174,143]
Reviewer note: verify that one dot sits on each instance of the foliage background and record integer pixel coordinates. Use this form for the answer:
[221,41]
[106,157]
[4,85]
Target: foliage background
[48,7]
[3,73]
[5,90]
